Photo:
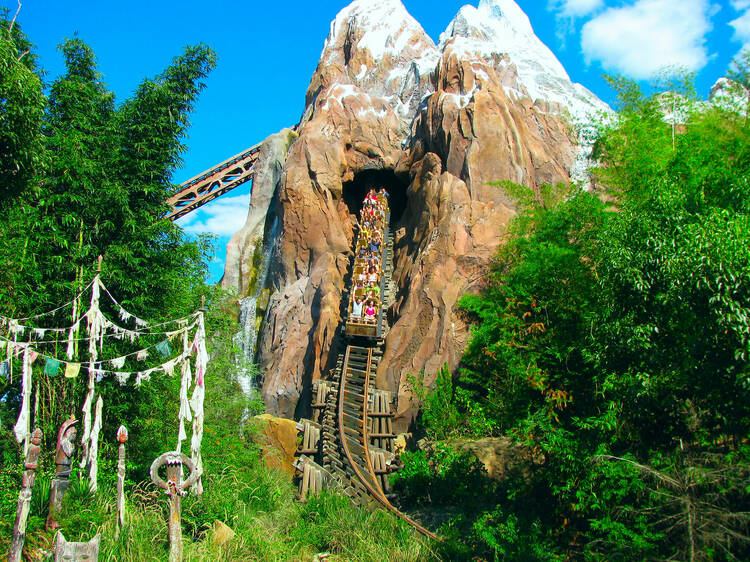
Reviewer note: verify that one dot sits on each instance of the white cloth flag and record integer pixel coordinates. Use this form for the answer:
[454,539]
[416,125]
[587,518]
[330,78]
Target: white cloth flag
[94,446]
[185,414]
[94,328]
[196,402]
[22,427]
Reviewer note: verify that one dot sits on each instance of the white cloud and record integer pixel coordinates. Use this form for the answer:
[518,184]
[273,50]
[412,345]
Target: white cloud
[222,217]
[575,8]
[567,12]
[741,25]
[641,39]
[742,29]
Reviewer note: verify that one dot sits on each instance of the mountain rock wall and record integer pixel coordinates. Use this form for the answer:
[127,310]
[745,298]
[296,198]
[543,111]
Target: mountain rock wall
[439,126]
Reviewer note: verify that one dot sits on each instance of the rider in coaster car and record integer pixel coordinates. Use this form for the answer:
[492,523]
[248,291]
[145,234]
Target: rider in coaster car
[373,260]
[372,276]
[370,312]
[357,308]
[374,245]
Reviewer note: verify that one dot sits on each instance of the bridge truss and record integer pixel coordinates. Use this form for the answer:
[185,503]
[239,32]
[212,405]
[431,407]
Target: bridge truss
[213,183]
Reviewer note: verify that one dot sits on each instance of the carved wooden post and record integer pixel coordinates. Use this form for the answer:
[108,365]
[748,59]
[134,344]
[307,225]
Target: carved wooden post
[175,488]
[122,437]
[24,498]
[63,462]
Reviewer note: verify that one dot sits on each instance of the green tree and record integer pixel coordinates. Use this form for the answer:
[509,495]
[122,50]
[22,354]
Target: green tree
[100,190]
[622,333]
[103,191]
[21,110]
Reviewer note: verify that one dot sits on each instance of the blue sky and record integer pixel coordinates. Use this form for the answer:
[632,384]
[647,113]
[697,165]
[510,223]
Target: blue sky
[268,52]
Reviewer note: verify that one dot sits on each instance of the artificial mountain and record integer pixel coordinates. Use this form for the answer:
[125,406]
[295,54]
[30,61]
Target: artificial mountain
[437,125]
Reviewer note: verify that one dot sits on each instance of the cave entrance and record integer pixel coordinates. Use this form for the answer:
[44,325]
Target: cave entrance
[354,191]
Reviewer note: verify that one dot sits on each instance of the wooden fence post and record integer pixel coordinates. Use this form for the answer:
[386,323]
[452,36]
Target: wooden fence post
[175,488]
[122,437]
[24,498]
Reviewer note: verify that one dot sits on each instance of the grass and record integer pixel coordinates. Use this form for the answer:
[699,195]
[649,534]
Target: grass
[280,530]
[256,502]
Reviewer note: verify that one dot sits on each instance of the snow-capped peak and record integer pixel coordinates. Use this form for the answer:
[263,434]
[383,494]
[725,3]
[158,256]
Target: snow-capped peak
[387,28]
[509,11]
[383,51]
[502,27]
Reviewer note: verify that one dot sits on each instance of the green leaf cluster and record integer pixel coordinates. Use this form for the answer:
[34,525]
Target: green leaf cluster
[81,176]
[611,341]
[21,110]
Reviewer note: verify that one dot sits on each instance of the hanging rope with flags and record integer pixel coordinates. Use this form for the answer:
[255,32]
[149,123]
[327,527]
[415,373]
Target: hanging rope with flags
[24,338]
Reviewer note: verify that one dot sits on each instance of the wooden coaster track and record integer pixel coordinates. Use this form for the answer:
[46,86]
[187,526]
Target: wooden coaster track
[349,441]
[338,450]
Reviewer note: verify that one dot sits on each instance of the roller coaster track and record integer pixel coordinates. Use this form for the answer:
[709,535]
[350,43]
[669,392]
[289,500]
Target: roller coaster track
[349,442]
[356,444]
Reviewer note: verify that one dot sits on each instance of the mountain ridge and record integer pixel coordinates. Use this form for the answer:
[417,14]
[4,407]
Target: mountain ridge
[439,129]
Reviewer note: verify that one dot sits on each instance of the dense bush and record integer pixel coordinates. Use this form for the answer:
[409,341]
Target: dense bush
[612,343]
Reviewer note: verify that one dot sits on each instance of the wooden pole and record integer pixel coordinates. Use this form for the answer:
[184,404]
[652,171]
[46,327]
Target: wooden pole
[63,462]
[175,487]
[24,498]
[122,437]
[174,475]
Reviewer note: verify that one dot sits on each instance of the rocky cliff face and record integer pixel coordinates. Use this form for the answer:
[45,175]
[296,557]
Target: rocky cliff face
[438,126]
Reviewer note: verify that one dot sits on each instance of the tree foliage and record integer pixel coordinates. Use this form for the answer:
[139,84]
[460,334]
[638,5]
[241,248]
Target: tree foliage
[84,176]
[612,342]
[21,109]
[102,191]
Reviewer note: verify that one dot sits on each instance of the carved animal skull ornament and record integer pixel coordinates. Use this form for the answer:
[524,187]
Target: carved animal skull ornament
[76,551]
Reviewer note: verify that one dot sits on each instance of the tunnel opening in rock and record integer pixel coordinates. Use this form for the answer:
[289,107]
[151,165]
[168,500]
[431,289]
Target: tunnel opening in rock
[355,191]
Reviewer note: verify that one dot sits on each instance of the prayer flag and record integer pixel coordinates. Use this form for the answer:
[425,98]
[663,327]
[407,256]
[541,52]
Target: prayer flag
[51,367]
[164,349]
[71,370]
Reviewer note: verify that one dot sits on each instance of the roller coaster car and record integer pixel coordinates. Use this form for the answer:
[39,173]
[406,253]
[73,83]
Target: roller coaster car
[360,326]
[367,330]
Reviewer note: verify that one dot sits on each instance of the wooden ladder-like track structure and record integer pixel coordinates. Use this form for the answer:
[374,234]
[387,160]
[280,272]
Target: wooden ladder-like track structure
[349,442]
[351,446]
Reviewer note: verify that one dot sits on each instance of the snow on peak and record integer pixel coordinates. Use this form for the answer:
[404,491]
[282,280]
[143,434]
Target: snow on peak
[508,10]
[501,27]
[386,27]
[383,50]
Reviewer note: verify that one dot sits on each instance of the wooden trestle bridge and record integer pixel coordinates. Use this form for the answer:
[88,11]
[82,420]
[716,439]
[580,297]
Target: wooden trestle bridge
[349,443]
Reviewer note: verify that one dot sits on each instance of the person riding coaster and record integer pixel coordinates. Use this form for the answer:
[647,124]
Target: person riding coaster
[366,275]
[357,306]
[370,312]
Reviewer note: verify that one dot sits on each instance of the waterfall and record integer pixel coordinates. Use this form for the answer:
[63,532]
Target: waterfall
[245,340]
[247,337]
